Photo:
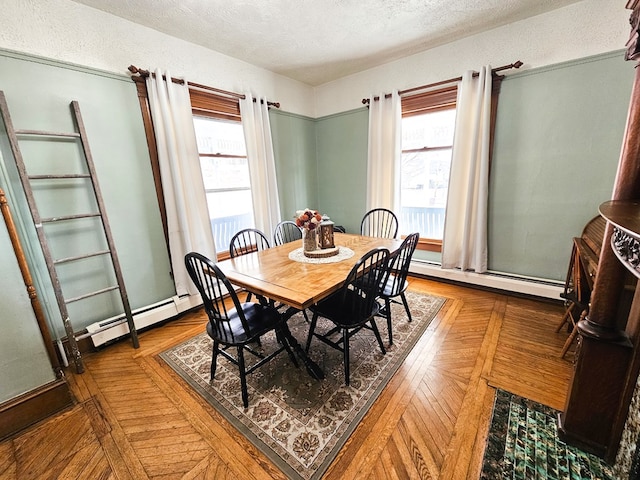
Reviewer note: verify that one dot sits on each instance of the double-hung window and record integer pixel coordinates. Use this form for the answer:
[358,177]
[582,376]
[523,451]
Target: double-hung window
[224,165]
[428,123]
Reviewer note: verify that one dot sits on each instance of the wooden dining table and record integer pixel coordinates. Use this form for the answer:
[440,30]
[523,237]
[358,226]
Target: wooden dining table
[272,274]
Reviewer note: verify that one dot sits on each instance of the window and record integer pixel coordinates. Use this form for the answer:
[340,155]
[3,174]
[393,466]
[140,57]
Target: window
[225,171]
[428,123]
[217,121]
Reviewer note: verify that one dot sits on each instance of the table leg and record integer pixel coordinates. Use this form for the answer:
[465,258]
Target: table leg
[314,370]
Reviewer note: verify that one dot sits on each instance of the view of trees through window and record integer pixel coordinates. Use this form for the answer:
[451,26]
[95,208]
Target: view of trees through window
[225,171]
[427,141]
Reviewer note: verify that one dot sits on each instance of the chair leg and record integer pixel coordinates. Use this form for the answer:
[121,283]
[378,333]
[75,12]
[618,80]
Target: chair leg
[374,327]
[387,311]
[243,377]
[214,359]
[304,312]
[406,305]
[345,350]
[565,317]
[572,336]
[312,329]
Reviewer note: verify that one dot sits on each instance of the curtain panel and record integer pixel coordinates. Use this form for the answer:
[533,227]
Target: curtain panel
[465,229]
[262,167]
[188,224]
[384,152]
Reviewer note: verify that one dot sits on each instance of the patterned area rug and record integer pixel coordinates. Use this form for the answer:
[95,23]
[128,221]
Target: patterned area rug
[523,444]
[298,422]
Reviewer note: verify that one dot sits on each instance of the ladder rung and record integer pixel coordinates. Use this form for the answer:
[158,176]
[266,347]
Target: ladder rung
[69,217]
[47,134]
[92,294]
[81,257]
[66,175]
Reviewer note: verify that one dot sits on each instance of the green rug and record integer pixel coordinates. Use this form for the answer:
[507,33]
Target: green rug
[298,422]
[523,444]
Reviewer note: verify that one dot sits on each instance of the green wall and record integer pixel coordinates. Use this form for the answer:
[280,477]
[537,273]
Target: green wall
[294,145]
[557,143]
[342,167]
[24,364]
[38,94]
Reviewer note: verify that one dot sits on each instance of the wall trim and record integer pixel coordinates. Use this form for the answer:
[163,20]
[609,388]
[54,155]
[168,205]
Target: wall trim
[341,114]
[29,57]
[25,410]
[567,64]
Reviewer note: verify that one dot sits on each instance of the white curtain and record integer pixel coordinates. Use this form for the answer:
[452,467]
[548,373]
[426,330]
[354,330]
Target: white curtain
[262,168]
[384,152]
[464,243]
[184,195]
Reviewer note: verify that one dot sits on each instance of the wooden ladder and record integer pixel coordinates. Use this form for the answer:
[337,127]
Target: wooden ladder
[90,175]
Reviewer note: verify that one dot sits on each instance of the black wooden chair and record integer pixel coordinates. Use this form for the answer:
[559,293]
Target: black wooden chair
[285,232]
[379,222]
[353,307]
[395,282]
[247,241]
[236,326]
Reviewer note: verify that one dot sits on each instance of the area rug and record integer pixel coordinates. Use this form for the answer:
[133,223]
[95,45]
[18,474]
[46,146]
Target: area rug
[298,422]
[523,444]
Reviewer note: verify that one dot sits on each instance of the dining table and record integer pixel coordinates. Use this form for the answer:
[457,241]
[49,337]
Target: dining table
[285,275]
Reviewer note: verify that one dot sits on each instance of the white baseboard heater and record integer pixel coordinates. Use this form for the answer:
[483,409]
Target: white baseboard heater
[142,317]
[496,280]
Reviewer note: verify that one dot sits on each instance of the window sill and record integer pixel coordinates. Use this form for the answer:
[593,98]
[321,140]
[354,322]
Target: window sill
[429,245]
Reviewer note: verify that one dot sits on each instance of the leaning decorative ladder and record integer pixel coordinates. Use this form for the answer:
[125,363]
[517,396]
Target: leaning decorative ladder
[26,179]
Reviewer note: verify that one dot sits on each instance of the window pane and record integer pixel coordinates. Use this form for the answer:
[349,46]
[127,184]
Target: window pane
[430,130]
[225,173]
[423,196]
[218,136]
[425,175]
[226,178]
[229,212]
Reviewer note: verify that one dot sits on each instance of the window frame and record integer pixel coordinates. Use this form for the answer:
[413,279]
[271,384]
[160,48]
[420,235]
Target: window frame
[198,111]
[443,98]
[437,99]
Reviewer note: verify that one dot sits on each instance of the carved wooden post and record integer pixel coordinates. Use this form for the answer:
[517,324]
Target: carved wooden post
[597,398]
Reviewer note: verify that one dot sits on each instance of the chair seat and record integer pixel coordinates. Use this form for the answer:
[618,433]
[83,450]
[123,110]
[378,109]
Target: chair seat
[260,319]
[340,309]
[393,288]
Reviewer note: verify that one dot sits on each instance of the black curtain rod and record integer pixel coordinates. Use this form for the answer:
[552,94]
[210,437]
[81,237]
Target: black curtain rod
[518,64]
[145,73]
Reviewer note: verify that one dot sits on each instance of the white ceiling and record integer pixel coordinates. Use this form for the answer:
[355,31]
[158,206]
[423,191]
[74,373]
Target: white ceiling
[317,41]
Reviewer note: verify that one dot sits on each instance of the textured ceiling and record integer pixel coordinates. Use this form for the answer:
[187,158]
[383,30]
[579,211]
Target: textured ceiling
[317,41]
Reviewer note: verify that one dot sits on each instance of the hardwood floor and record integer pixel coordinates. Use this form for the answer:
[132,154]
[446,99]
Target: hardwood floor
[135,419]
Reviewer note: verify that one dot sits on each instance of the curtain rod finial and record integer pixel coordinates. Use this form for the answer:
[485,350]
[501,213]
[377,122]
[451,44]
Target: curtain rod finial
[135,70]
[518,64]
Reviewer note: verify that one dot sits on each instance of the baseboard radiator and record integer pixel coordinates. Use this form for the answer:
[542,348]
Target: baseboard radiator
[142,317]
[494,280]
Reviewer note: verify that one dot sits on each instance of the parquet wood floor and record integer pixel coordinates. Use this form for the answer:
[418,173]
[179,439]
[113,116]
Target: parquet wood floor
[135,419]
